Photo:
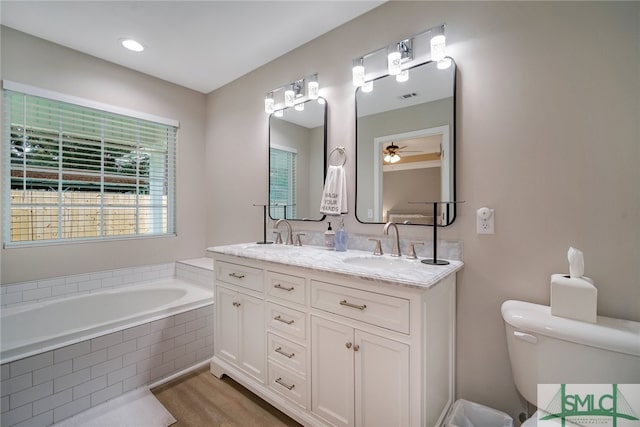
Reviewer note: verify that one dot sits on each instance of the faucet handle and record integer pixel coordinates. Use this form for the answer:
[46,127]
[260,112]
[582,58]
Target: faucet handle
[378,250]
[412,250]
[278,237]
[298,241]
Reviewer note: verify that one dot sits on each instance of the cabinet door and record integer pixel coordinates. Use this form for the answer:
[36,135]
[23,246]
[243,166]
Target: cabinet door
[381,381]
[227,340]
[252,336]
[332,371]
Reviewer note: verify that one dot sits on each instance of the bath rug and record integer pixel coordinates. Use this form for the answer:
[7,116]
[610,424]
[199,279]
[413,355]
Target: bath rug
[138,408]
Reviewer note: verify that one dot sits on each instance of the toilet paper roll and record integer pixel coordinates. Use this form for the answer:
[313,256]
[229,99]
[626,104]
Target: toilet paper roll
[574,298]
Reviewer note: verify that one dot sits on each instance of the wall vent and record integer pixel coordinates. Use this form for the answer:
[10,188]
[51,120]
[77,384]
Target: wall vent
[408,95]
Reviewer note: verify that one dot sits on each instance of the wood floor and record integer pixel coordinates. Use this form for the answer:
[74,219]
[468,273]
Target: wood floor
[200,399]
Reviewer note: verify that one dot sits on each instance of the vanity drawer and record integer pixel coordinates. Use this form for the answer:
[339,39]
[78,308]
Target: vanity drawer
[289,354]
[288,384]
[240,275]
[287,321]
[381,310]
[286,287]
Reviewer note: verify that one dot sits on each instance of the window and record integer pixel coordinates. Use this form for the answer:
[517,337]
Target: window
[74,173]
[282,182]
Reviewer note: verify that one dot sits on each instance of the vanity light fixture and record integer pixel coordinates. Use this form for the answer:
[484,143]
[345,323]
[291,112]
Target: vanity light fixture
[393,61]
[403,76]
[132,45]
[402,56]
[358,72]
[289,96]
[399,54]
[269,103]
[292,94]
[313,87]
[438,43]
[444,63]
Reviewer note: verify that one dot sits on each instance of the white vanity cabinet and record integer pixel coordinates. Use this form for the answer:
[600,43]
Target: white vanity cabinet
[240,308]
[337,349]
[358,378]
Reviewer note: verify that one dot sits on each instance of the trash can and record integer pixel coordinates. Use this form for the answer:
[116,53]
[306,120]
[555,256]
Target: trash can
[471,414]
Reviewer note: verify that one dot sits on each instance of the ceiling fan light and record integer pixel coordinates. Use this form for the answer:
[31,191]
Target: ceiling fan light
[394,158]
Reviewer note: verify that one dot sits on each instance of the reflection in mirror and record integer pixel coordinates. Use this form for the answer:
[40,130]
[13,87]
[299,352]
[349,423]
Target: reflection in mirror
[405,147]
[297,152]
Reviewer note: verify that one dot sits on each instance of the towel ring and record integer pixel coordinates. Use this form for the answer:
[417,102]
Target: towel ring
[340,150]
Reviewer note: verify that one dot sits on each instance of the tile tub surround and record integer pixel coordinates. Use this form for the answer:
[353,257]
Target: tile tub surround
[53,385]
[316,258]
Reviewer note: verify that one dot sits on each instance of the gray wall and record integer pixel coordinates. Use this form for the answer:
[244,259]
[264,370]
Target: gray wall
[33,61]
[548,135]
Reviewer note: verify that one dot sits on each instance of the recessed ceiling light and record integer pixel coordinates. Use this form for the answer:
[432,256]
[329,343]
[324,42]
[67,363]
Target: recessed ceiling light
[132,45]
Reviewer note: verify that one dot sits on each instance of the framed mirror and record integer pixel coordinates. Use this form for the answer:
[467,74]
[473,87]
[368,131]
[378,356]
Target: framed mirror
[297,161]
[405,148]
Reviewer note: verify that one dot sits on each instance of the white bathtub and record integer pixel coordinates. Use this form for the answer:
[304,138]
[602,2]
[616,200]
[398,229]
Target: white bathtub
[35,328]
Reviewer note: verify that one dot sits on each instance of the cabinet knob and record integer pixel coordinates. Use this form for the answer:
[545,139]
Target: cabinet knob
[348,345]
[356,347]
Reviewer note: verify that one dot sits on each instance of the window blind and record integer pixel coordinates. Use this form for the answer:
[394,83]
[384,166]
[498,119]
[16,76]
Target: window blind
[74,173]
[282,183]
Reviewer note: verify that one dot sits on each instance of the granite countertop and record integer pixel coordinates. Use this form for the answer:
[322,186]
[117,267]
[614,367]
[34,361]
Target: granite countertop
[361,264]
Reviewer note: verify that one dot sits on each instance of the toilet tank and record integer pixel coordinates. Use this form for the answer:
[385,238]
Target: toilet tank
[546,349]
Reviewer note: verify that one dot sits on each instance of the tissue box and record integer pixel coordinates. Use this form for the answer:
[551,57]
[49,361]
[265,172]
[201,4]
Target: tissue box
[574,298]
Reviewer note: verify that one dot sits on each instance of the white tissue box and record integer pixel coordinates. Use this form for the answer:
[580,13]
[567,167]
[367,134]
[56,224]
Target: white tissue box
[574,298]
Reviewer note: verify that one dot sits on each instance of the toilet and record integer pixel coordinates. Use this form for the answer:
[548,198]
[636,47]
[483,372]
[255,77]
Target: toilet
[546,349]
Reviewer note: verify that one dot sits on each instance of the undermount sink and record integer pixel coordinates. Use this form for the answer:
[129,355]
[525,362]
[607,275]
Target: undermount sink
[380,262]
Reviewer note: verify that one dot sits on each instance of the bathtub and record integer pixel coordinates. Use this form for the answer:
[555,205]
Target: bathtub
[36,328]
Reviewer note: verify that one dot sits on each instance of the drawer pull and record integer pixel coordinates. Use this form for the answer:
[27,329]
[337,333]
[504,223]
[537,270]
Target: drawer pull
[284,353]
[236,304]
[236,275]
[280,319]
[279,286]
[348,304]
[285,385]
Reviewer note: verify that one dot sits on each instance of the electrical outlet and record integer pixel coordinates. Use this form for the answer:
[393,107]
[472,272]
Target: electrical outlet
[485,221]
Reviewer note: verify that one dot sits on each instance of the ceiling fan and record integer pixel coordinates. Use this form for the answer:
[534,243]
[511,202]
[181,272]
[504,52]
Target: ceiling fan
[392,151]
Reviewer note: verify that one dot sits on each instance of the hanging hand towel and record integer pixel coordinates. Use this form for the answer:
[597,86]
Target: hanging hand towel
[334,196]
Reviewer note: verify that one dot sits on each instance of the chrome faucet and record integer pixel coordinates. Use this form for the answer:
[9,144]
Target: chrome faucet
[395,251]
[289,231]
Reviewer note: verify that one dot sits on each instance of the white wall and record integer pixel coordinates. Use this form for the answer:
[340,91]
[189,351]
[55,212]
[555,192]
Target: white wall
[548,113]
[33,61]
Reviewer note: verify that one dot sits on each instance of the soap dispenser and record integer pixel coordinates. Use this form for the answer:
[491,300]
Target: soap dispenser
[329,238]
[341,237]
